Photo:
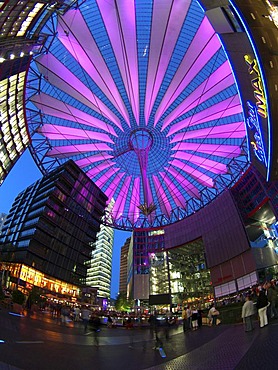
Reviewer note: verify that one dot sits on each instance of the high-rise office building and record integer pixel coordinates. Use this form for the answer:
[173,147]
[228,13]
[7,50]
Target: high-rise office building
[99,273]
[100,265]
[50,231]
[3,217]
[20,24]
[124,267]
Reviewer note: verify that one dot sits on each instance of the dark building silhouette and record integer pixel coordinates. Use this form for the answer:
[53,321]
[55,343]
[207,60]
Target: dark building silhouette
[124,267]
[51,228]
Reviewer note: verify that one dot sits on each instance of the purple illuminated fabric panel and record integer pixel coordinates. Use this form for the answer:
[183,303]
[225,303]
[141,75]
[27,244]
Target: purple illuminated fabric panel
[57,108]
[69,150]
[174,191]
[218,81]
[191,189]
[77,38]
[55,132]
[205,163]
[203,47]
[119,205]
[100,167]
[106,177]
[226,151]
[164,35]
[162,197]
[58,75]
[223,109]
[232,130]
[121,27]
[134,211]
[93,159]
[199,176]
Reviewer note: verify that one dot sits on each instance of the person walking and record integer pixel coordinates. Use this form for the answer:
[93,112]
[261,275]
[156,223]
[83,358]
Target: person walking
[85,315]
[184,319]
[152,324]
[167,324]
[247,313]
[189,317]
[200,316]
[109,321]
[96,329]
[77,313]
[272,293]
[194,318]
[213,314]
[129,326]
[65,313]
[262,303]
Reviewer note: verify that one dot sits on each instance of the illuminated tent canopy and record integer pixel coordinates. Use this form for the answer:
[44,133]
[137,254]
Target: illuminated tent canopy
[141,95]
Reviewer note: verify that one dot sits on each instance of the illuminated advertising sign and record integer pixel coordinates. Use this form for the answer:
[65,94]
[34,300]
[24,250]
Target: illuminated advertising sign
[253,124]
[257,84]
[256,114]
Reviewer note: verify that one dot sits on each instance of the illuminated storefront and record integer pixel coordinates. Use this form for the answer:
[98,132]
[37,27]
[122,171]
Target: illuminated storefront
[25,278]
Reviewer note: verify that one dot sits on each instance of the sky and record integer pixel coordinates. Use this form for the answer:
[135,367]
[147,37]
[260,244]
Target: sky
[25,173]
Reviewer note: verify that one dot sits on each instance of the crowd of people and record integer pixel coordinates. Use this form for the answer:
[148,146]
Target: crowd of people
[194,316]
[262,300]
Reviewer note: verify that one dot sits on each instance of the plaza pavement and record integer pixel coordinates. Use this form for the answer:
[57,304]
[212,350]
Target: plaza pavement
[39,342]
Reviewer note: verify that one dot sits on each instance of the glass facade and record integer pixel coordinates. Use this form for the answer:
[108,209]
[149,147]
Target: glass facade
[99,270]
[146,242]
[14,137]
[189,275]
[181,272]
[2,220]
[53,223]
[18,42]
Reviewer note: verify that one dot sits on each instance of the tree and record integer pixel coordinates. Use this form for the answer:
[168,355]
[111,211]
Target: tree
[18,297]
[35,296]
[122,303]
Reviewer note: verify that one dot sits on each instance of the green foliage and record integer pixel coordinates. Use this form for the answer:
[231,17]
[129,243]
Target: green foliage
[18,297]
[35,296]
[122,303]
